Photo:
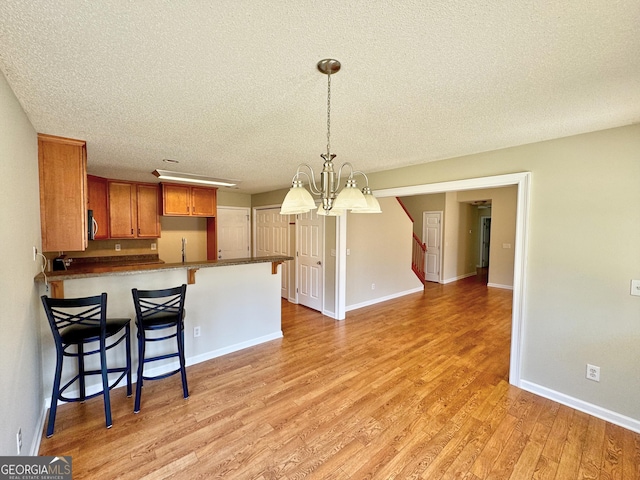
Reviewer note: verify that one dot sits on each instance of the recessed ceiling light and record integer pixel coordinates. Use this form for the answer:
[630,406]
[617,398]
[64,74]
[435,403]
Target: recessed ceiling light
[192,178]
[168,160]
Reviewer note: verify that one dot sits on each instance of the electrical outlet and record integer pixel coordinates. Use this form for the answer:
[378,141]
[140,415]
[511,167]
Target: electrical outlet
[196,331]
[19,441]
[154,246]
[373,286]
[117,247]
[635,287]
[35,253]
[593,373]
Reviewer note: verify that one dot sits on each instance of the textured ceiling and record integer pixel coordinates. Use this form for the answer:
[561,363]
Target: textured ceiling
[230,87]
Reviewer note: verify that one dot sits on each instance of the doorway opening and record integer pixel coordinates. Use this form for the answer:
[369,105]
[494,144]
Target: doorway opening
[522,182]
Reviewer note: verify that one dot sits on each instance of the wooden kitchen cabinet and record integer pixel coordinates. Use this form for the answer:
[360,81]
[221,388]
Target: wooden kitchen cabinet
[133,210]
[98,203]
[62,164]
[184,200]
[148,210]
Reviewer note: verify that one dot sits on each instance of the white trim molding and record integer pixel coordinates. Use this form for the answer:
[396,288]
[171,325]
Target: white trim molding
[497,285]
[383,299]
[459,277]
[586,407]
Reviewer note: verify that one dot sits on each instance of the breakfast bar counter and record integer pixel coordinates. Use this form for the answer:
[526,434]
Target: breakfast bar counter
[55,279]
[230,304]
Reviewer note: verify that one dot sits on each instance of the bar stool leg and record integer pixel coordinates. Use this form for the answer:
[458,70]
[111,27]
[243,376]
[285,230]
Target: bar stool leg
[141,340]
[183,370]
[55,394]
[81,379]
[128,357]
[105,383]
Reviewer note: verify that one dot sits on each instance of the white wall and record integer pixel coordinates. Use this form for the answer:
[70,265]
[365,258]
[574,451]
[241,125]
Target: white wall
[20,372]
[380,253]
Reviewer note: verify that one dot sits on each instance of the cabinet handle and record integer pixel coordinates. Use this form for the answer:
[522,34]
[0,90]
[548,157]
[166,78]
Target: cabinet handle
[132,231]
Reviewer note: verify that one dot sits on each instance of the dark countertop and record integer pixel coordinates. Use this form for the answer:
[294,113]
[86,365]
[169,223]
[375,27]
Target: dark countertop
[114,268]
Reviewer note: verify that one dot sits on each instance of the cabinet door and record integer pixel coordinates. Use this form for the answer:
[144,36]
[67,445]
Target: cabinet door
[122,209]
[203,202]
[175,199]
[148,221]
[98,195]
[62,166]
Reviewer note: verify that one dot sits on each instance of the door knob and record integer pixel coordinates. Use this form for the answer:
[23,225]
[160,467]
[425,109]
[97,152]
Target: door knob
[319,262]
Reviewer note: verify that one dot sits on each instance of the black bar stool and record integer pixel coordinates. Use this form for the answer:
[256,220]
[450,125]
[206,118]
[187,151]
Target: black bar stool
[77,322]
[159,310]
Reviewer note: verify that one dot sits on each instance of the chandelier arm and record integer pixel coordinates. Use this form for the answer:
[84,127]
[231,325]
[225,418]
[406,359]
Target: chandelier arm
[346,164]
[312,179]
[364,175]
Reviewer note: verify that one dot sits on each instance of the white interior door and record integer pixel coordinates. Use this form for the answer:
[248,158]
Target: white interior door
[234,240]
[432,237]
[272,238]
[310,248]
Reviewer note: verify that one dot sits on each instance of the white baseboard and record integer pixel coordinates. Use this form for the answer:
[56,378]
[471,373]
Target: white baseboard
[231,348]
[37,434]
[459,277]
[586,407]
[383,299]
[497,285]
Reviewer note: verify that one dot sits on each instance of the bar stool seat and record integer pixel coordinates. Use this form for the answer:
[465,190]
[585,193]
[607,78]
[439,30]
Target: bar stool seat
[77,323]
[159,310]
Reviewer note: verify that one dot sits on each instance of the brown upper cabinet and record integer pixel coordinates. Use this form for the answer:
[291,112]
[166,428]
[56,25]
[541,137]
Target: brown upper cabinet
[185,200]
[98,203]
[62,166]
[133,210]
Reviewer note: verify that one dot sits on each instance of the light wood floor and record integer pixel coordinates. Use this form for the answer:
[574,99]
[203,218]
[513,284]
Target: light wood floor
[411,388]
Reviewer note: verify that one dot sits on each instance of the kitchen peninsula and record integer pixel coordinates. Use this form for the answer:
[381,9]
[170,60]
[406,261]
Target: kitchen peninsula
[235,303]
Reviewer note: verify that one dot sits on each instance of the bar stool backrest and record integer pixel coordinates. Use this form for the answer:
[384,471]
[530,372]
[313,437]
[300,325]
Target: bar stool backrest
[159,303]
[78,313]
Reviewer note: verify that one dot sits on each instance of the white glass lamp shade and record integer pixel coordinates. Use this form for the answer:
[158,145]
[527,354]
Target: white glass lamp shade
[350,197]
[298,200]
[372,206]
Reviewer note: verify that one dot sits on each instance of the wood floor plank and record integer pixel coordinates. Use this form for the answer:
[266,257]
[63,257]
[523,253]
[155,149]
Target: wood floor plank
[415,387]
[631,455]
[592,452]
[612,454]
[569,463]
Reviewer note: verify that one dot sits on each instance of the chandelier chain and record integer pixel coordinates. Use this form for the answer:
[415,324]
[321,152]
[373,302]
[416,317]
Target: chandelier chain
[329,116]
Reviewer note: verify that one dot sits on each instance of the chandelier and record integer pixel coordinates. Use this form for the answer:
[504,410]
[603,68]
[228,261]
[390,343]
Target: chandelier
[299,200]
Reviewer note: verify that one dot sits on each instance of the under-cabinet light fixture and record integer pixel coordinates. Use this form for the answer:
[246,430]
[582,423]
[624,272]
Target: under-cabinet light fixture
[192,178]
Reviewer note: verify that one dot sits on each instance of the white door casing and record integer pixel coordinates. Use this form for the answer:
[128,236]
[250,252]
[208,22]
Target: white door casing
[234,240]
[432,238]
[309,258]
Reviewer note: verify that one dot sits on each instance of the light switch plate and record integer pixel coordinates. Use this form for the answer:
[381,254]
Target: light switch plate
[635,288]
